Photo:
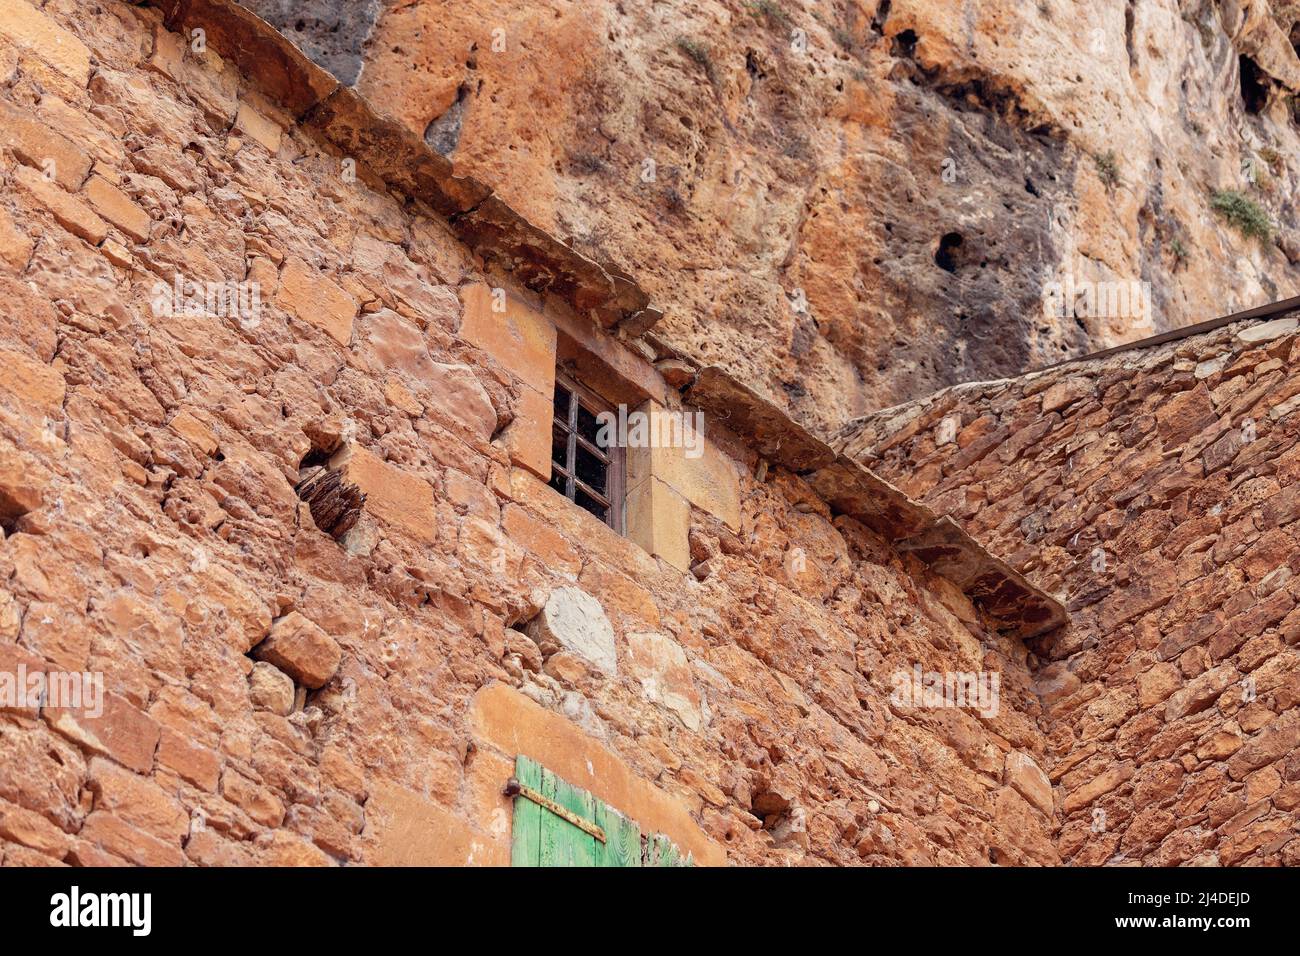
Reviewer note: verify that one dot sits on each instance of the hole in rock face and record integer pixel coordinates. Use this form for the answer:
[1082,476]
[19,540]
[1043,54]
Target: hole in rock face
[769,807]
[334,503]
[882,14]
[905,44]
[314,458]
[12,509]
[946,257]
[1254,85]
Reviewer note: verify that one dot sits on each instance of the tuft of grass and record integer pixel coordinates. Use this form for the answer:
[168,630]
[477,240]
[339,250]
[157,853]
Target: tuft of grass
[587,163]
[1243,214]
[1274,159]
[1179,251]
[769,10]
[1264,180]
[1107,168]
[698,53]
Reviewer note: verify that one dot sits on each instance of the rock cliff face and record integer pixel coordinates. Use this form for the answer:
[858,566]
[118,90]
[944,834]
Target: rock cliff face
[854,203]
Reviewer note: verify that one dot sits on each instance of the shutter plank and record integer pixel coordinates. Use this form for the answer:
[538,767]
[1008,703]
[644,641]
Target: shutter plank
[563,844]
[526,829]
[622,846]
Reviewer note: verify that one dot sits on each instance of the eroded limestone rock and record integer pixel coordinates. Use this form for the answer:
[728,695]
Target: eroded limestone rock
[574,619]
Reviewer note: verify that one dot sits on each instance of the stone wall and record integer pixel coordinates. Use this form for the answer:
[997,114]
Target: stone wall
[297,674]
[1154,492]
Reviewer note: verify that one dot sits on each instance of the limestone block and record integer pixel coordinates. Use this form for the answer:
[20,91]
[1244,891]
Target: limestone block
[15,246]
[41,147]
[1023,774]
[118,208]
[520,338]
[527,438]
[270,688]
[68,211]
[34,31]
[692,466]
[659,520]
[301,649]
[22,481]
[258,128]
[110,726]
[503,718]
[456,389]
[399,499]
[1267,331]
[573,619]
[317,300]
[411,830]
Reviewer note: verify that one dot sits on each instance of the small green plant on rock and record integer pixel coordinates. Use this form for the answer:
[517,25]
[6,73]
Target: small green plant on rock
[699,54]
[1107,168]
[1242,213]
[1179,251]
[768,10]
[1274,159]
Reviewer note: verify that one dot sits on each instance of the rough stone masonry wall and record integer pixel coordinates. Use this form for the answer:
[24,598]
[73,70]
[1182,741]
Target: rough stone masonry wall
[279,697]
[1154,491]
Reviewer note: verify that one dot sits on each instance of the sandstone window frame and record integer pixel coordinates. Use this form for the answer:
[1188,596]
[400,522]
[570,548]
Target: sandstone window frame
[565,467]
[654,500]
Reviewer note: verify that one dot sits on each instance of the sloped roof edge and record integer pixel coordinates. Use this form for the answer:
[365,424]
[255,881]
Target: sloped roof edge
[1268,311]
[853,489]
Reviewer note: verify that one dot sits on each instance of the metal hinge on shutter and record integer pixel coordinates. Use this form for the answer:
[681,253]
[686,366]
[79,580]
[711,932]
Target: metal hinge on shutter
[516,789]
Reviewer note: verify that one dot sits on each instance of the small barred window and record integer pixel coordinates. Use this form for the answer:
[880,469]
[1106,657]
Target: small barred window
[583,469]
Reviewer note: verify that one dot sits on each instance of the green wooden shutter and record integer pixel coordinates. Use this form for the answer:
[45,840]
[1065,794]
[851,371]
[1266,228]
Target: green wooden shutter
[542,837]
[622,846]
[526,835]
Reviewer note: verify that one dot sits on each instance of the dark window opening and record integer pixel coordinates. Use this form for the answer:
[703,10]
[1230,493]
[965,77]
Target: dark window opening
[586,465]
